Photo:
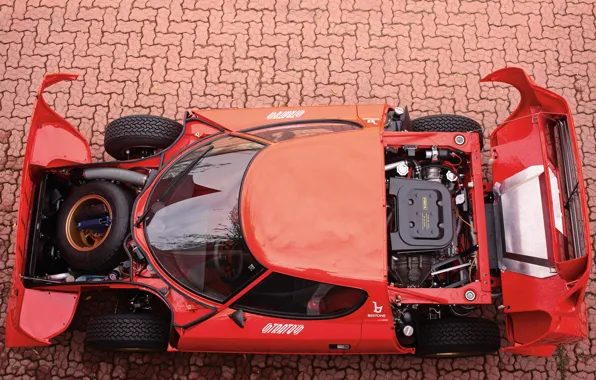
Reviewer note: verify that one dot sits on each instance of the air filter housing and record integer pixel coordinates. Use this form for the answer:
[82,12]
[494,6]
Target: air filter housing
[423,215]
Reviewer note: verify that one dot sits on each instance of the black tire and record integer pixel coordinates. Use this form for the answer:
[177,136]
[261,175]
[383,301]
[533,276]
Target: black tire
[447,123]
[458,337]
[109,253]
[140,135]
[128,332]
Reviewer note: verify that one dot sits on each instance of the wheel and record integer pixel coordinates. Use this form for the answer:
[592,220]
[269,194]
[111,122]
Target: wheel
[458,337]
[139,136]
[92,224]
[129,332]
[447,123]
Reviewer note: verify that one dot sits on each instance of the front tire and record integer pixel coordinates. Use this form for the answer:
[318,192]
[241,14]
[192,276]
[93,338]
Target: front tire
[457,337]
[138,136]
[129,332]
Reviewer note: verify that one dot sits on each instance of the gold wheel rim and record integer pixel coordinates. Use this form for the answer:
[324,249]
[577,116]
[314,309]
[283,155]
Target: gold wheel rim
[85,240]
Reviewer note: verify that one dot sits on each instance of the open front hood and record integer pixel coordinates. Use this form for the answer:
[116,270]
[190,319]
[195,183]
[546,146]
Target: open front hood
[316,206]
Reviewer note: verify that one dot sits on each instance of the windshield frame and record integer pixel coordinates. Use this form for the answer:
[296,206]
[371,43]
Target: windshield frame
[163,170]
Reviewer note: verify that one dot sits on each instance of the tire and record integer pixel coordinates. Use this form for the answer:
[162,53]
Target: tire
[447,123]
[140,135]
[458,337]
[128,332]
[109,253]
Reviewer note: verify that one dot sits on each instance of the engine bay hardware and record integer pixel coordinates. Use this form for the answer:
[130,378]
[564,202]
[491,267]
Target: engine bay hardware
[470,295]
[424,218]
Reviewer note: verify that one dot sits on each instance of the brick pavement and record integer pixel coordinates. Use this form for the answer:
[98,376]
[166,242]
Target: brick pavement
[148,57]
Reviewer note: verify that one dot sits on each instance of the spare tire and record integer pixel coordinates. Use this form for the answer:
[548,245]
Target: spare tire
[94,250]
[447,123]
[457,337]
[129,332]
[138,136]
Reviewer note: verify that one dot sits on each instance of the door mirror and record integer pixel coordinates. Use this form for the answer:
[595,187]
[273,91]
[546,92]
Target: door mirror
[238,317]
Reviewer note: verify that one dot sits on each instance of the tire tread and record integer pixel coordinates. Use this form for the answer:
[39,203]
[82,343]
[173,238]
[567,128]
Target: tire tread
[118,331]
[447,123]
[458,335]
[156,131]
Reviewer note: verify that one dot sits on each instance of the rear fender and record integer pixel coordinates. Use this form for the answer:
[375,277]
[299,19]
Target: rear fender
[543,308]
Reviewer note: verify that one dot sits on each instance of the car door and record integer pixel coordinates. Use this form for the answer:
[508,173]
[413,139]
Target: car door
[543,228]
[284,314]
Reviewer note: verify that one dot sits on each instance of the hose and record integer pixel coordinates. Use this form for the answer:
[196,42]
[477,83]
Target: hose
[393,165]
[57,277]
[472,230]
[457,223]
[115,174]
[417,168]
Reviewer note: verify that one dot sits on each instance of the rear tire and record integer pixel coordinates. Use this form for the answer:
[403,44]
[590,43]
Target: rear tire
[447,123]
[138,136]
[129,332]
[458,337]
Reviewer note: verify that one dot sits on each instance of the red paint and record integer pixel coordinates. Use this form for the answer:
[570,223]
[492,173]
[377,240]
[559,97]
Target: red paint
[309,211]
[50,134]
[220,334]
[56,313]
[52,142]
[540,312]
[307,203]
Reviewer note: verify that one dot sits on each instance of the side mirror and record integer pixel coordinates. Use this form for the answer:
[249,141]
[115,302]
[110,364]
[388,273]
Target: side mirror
[238,317]
[406,125]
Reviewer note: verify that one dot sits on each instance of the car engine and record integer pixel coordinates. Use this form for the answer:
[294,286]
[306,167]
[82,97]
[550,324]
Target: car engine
[430,231]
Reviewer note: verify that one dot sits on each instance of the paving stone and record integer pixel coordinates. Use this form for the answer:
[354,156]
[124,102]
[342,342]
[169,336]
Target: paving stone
[148,56]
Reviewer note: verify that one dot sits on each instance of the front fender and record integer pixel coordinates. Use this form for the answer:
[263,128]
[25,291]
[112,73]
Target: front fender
[53,141]
[34,317]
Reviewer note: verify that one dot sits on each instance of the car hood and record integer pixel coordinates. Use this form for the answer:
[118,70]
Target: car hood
[314,207]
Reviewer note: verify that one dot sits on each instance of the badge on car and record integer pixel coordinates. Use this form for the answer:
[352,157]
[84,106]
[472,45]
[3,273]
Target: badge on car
[285,114]
[282,328]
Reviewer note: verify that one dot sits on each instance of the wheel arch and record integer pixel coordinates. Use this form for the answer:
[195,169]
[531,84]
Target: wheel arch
[120,288]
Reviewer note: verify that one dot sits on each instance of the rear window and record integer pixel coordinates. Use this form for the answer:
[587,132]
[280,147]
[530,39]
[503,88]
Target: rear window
[291,131]
[291,297]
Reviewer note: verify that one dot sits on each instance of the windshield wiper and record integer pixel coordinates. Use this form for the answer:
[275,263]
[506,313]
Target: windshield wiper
[165,195]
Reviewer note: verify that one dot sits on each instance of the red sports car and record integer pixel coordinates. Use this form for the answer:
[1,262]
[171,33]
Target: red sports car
[328,230]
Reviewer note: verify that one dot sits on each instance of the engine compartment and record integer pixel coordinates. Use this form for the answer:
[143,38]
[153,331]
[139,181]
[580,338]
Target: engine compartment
[431,237]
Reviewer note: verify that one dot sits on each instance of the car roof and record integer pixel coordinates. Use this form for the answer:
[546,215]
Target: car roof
[314,207]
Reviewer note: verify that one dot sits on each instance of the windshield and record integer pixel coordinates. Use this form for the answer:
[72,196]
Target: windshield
[193,225]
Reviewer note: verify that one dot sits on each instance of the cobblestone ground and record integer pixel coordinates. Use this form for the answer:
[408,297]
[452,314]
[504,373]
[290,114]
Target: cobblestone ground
[144,57]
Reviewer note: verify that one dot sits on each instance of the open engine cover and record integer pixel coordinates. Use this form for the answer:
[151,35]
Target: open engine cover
[423,215]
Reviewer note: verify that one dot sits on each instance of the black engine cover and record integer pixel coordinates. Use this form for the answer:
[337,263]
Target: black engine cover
[423,215]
